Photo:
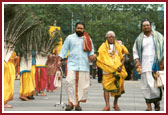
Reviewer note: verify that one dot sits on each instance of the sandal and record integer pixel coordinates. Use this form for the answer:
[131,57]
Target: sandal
[157,106]
[24,98]
[31,97]
[148,110]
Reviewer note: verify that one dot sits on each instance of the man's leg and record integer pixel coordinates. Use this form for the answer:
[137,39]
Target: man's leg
[70,89]
[145,86]
[149,107]
[157,106]
[78,107]
[106,98]
[69,107]
[116,107]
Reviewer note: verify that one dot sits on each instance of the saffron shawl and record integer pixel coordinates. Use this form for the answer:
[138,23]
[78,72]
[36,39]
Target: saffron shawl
[105,61]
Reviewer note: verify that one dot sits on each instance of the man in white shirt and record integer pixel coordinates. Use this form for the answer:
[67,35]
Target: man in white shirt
[148,53]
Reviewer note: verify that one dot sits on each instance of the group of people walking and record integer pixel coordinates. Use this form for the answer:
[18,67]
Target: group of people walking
[148,53]
[33,82]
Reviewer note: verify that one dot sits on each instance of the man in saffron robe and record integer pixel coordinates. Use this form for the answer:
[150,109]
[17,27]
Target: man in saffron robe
[81,50]
[110,60]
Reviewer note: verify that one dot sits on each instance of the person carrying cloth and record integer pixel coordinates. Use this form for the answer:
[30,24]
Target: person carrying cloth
[148,53]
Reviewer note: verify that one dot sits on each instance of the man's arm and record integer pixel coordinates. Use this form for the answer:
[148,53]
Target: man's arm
[92,56]
[64,51]
[136,56]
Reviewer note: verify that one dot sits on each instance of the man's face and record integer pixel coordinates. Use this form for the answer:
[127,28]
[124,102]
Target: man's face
[79,30]
[146,27]
[110,39]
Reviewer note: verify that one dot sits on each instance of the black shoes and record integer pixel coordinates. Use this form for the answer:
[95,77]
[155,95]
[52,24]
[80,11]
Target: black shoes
[69,107]
[157,106]
[78,108]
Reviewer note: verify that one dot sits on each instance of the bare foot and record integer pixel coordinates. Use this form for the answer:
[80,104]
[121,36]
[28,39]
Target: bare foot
[7,106]
[116,108]
[107,108]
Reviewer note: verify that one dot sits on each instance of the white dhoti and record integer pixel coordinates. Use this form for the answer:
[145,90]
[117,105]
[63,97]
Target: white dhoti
[77,84]
[151,94]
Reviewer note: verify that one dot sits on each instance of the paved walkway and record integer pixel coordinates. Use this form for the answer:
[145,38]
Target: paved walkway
[131,101]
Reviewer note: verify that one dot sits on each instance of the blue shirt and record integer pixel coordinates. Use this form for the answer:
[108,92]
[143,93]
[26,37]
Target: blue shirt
[77,59]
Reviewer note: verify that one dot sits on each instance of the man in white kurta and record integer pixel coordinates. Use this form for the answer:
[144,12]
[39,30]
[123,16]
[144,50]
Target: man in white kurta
[145,53]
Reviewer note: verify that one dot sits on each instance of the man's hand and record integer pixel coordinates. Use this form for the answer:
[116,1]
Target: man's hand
[92,57]
[137,63]
[157,75]
[138,66]
[161,64]
[119,69]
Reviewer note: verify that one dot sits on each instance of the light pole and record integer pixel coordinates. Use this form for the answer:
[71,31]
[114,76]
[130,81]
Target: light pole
[72,23]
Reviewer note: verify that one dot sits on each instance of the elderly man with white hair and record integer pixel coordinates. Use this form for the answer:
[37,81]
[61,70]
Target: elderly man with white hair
[110,60]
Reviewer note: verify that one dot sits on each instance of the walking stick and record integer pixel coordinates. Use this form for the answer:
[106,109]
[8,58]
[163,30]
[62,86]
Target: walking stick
[61,103]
